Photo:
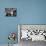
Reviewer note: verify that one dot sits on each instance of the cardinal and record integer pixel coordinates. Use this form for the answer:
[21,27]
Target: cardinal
[12,36]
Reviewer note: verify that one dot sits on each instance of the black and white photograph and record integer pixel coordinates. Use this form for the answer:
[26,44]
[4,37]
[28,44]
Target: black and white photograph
[10,11]
[31,34]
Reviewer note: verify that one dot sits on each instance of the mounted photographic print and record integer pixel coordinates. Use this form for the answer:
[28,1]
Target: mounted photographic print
[10,11]
[32,32]
[28,34]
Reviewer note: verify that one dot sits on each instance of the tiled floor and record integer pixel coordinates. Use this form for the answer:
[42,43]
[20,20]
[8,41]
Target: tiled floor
[39,43]
[30,43]
[7,45]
